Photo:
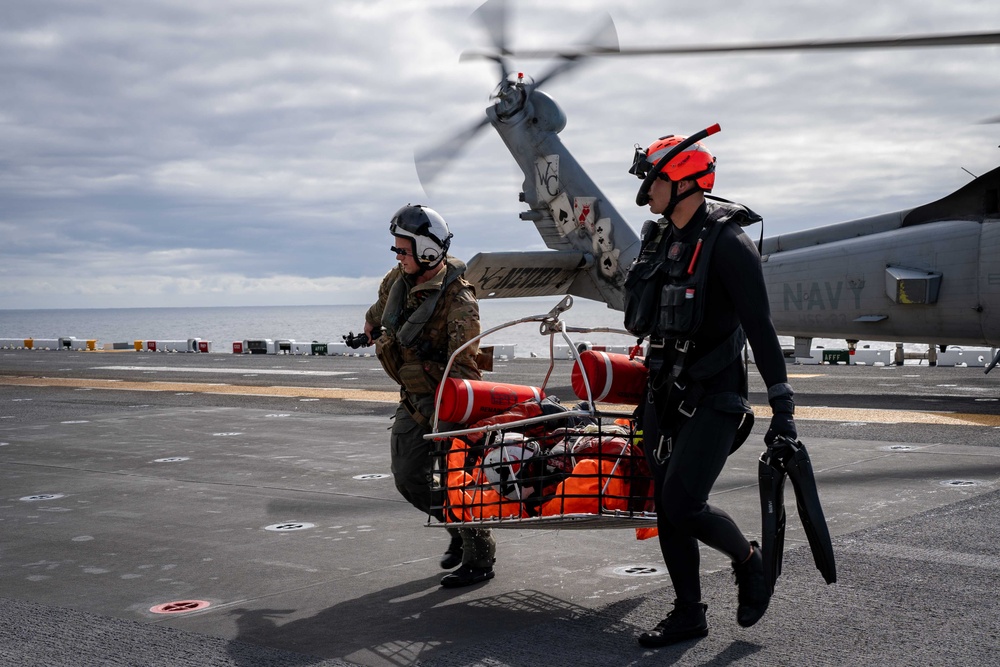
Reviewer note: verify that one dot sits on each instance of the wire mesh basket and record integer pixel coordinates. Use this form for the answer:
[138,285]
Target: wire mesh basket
[539,464]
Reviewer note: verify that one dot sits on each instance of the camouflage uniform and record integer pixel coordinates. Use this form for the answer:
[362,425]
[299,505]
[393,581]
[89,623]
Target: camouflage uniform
[419,368]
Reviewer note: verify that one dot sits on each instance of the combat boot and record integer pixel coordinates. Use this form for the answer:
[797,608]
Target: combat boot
[478,555]
[467,575]
[686,621]
[452,557]
[754,593]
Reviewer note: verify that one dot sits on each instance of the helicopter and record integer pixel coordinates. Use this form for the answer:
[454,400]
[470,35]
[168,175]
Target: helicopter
[886,277]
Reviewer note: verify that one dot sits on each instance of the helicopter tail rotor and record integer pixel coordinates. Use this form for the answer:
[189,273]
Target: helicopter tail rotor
[512,93]
[430,162]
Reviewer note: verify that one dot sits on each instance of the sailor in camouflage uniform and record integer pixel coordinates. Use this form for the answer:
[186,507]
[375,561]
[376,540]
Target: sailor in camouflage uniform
[425,311]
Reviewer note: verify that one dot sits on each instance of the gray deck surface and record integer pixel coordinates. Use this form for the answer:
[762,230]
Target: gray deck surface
[116,500]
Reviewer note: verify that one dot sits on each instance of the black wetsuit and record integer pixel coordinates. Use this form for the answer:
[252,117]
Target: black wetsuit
[699,445]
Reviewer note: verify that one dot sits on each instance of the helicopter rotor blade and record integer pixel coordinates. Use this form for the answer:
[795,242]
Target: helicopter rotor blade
[493,15]
[431,162]
[988,121]
[604,39]
[910,41]
[465,56]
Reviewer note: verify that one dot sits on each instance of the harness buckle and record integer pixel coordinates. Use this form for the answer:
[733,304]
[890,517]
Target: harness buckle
[682,345]
[657,343]
[663,450]
[686,411]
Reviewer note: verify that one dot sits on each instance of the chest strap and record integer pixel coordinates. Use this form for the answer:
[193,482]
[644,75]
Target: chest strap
[409,332]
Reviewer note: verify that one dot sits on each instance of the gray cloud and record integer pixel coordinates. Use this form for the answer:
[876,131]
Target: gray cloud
[183,153]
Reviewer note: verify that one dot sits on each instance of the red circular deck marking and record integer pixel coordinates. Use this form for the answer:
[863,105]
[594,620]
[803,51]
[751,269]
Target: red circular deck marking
[179,607]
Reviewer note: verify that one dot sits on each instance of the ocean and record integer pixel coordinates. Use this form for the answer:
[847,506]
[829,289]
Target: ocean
[325,324]
[224,325]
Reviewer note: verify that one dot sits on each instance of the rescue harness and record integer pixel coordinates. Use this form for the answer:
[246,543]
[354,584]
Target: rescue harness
[665,295]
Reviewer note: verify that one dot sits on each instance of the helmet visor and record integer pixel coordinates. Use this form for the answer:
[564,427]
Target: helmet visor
[413,221]
[409,224]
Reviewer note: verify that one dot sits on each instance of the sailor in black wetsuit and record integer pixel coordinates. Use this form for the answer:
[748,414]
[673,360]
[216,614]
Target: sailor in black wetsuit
[697,293]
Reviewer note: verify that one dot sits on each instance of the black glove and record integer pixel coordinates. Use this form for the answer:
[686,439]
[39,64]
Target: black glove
[782,421]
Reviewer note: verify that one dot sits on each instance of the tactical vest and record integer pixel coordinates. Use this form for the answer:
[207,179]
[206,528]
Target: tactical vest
[414,348]
[665,299]
[665,288]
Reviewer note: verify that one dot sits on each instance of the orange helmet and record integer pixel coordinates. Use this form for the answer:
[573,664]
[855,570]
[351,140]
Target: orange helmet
[692,163]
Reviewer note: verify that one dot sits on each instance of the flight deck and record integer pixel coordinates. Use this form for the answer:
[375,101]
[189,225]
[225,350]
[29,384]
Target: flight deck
[218,509]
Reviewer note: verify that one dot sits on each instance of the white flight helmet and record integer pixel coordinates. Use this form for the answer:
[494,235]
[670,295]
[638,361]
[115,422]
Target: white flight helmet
[508,467]
[428,231]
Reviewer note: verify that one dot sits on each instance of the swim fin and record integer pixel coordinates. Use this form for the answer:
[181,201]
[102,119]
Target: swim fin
[771,482]
[800,471]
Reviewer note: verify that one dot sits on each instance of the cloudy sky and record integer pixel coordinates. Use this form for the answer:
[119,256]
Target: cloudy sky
[242,152]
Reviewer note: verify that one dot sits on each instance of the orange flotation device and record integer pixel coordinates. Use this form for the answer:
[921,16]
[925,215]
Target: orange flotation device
[469,496]
[594,486]
[599,473]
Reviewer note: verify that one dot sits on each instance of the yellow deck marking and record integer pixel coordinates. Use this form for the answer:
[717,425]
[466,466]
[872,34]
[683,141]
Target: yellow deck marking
[886,416]
[761,411]
[203,388]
